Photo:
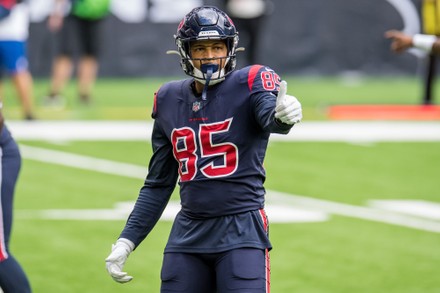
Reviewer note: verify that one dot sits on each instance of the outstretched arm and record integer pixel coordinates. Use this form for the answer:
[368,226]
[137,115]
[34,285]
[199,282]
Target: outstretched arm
[277,114]
[401,42]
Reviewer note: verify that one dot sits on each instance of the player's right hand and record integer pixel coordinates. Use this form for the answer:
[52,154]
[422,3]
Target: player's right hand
[288,109]
[117,258]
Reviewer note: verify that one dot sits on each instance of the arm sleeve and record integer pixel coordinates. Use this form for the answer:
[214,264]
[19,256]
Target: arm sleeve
[263,85]
[156,191]
[264,110]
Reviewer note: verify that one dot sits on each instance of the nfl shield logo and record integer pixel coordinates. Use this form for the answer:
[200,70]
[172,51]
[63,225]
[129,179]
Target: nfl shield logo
[196,106]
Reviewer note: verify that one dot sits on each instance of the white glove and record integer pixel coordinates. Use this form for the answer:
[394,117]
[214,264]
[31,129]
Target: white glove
[117,258]
[288,109]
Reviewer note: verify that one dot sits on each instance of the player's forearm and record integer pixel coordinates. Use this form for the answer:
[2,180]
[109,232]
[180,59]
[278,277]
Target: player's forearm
[436,47]
[155,194]
[265,114]
[146,213]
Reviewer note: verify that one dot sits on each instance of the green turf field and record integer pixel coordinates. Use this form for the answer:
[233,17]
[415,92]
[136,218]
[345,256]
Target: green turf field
[341,254]
[133,98]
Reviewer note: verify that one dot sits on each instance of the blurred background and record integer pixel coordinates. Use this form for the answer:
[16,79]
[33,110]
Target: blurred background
[306,37]
[340,43]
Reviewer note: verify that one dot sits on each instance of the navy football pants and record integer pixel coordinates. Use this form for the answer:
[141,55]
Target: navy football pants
[12,277]
[244,270]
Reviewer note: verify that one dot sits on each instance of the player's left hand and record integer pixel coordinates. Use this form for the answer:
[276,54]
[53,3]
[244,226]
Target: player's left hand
[288,109]
[117,258]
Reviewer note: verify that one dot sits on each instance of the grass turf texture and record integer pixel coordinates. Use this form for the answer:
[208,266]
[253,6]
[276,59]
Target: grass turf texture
[339,255]
[133,98]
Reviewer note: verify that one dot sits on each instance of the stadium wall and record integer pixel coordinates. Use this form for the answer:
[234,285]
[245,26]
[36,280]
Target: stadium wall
[302,37]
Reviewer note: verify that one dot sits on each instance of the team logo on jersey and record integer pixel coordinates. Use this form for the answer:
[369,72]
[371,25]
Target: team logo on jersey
[196,106]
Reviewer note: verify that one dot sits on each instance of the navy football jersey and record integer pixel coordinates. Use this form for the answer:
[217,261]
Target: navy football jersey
[215,149]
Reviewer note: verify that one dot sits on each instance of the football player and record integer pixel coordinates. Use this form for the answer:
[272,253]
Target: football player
[12,276]
[210,134]
[14,33]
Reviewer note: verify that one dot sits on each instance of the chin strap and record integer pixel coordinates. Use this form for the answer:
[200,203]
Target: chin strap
[207,69]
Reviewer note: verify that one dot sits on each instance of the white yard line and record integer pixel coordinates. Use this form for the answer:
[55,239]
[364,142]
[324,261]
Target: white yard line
[313,209]
[418,208]
[372,214]
[82,162]
[80,130]
[375,131]
[121,211]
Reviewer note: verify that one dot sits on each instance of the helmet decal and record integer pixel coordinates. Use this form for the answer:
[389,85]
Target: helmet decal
[208,34]
[180,24]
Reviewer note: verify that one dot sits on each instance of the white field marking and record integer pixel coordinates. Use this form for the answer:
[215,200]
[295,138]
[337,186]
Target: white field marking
[356,132]
[276,213]
[418,208]
[273,197]
[82,162]
[80,130]
[372,214]
[282,213]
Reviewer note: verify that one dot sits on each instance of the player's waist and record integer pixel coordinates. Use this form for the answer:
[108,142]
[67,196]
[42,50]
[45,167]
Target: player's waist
[219,198]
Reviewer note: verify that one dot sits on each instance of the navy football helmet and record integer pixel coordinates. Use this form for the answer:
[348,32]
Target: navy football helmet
[206,23]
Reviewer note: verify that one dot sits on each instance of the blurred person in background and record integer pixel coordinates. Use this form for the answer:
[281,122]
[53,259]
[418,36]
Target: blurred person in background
[426,41]
[210,133]
[14,32]
[249,17]
[77,24]
[12,277]
[400,42]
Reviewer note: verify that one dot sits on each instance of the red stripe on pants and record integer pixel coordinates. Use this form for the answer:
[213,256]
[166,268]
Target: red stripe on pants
[267,261]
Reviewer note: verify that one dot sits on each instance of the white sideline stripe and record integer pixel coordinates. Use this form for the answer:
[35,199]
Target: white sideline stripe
[277,213]
[359,212]
[418,208]
[352,131]
[82,162]
[274,198]
[80,130]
